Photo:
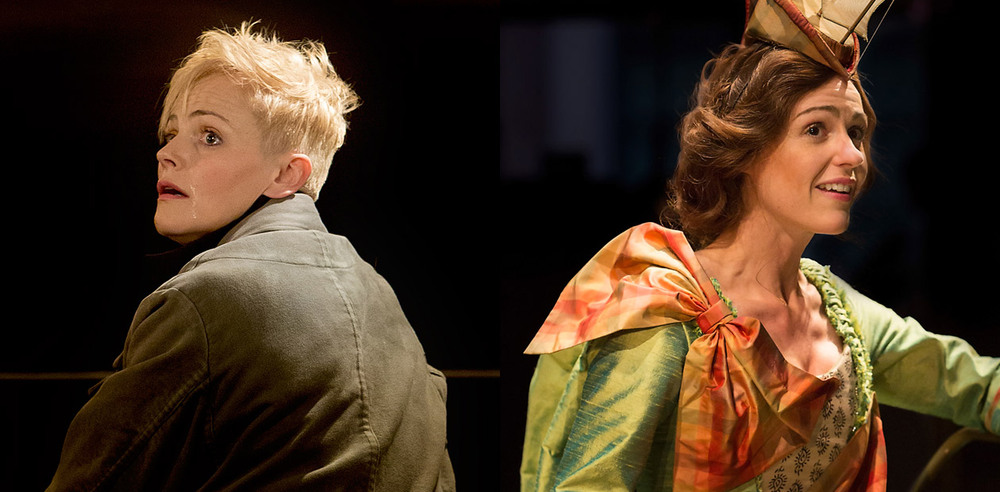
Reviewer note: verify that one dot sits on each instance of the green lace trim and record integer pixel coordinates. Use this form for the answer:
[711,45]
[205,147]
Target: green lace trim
[718,291]
[839,314]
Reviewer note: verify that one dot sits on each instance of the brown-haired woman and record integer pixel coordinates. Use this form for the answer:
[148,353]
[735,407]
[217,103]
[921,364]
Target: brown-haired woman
[657,370]
[740,109]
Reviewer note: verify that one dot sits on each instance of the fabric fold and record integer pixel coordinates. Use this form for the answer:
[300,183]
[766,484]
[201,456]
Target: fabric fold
[742,407]
[647,276]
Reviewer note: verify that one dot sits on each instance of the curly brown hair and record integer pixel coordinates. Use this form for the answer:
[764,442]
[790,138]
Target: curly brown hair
[740,108]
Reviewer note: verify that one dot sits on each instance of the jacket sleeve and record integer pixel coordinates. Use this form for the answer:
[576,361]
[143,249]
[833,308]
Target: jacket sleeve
[601,418]
[924,372]
[137,426]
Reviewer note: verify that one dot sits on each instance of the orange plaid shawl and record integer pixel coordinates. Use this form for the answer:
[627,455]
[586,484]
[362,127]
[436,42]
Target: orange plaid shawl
[742,407]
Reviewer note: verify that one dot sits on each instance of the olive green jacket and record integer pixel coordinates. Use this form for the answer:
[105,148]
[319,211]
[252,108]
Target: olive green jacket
[278,360]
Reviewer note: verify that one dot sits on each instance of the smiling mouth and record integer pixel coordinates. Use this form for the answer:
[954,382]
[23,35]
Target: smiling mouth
[841,188]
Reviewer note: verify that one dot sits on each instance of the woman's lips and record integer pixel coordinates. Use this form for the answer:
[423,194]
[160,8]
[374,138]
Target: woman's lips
[166,190]
[841,189]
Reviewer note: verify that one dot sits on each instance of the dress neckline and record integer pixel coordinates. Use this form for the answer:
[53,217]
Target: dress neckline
[838,313]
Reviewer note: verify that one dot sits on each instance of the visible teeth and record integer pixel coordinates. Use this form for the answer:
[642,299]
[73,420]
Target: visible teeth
[837,187]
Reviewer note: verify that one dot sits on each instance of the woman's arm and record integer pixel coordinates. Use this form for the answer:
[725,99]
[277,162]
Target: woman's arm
[138,429]
[934,374]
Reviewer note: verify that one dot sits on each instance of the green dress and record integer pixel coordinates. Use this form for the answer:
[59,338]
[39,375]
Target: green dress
[602,414]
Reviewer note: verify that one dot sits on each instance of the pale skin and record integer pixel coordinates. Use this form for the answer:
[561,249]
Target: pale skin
[804,185]
[212,166]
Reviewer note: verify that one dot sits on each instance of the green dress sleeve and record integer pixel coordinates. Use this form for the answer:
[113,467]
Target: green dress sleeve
[601,416]
[933,374]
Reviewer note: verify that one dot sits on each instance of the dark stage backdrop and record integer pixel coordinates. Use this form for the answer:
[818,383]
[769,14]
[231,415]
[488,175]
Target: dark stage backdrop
[413,188]
[590,96]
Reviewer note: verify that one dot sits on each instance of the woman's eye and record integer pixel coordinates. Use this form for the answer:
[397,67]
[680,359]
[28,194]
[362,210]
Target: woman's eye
[211,138]
[814,130]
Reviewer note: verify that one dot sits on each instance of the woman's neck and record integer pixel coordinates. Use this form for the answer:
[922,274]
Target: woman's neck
[756,255]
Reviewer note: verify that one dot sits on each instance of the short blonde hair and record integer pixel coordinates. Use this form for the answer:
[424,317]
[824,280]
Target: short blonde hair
[293,90]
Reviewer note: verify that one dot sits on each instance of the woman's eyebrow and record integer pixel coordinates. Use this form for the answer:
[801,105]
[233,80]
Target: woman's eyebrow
[858,115]
[830,108]
[204,112]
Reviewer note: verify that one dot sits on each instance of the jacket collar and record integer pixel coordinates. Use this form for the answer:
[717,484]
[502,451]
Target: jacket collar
[266,214]
[294,212]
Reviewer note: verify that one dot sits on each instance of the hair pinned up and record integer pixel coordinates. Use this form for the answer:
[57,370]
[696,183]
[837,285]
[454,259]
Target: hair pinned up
[739,110]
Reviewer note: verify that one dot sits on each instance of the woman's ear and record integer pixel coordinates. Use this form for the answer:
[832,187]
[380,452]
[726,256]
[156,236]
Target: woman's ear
[293,174]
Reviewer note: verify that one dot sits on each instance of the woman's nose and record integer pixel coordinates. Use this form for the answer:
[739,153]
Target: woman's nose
[852,153]
[165,156]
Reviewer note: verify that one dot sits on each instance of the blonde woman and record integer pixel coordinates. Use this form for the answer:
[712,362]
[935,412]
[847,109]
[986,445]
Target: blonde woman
[276,359]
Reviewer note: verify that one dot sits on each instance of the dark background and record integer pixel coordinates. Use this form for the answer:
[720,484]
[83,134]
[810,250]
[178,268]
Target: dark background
[591,93]
[81,85]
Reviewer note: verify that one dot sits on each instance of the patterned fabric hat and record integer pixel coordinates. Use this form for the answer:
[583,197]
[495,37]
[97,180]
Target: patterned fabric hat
[827,31]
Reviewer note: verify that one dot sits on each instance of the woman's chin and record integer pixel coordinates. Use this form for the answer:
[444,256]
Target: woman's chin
[835,228]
